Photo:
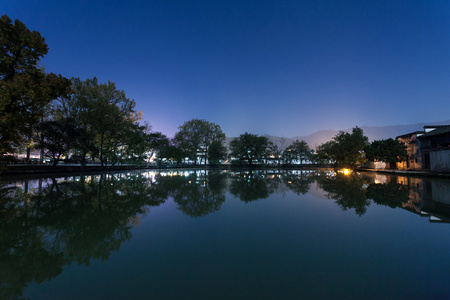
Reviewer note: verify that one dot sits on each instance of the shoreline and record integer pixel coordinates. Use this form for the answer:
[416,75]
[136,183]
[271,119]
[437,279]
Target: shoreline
[42,170]
[23,170]
[409,173]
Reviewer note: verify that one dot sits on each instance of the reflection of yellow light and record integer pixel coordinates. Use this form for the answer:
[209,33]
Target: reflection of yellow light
[346,171]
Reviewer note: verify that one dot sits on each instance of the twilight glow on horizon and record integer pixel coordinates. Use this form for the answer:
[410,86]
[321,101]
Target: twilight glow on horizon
[282,68]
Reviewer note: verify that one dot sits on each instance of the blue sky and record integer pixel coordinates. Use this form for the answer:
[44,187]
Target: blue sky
[283,68]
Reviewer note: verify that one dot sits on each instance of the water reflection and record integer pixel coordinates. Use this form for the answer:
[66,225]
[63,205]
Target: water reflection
[251,186]
[49,223]
[199,193]
[62,221]
[348,191]
[254,185]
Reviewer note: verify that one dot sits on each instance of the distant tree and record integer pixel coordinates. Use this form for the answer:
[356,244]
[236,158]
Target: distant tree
[216,152]
[288,156]
[26,91]
[170,152]
[275,149]
[196,136]
[156,142]
[300,151]
[346,149]
[249,147]
[389,151]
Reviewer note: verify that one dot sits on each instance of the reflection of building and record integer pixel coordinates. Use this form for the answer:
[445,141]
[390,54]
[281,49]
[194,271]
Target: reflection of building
[428,198]
[428,149]
[416,191]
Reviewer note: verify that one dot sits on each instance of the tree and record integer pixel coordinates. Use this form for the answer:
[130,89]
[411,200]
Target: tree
[57,137]
[275,149]
[299,150]
[107,116]
[249,147]
[216,152]
[389,151]
[132,146]
[156,142]
[346,149]
[171,153]
[26,91]
[21,48]
[196,136]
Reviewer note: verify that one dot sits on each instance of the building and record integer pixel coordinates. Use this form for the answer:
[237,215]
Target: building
[427,150]
[415,159]
[435,148]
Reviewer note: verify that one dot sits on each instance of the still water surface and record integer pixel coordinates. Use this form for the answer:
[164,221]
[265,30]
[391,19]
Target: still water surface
[225,235]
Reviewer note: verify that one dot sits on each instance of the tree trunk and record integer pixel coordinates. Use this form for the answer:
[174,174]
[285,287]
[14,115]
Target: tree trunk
[41,156]
[28,159]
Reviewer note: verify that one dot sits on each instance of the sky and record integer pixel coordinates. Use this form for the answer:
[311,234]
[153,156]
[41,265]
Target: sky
[284,68]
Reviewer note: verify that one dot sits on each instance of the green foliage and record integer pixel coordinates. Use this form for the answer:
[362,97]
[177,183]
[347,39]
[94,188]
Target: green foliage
[346,149]
[109,119]
[249,147]
[26,91]
[21,49]
[298,151]
[216,152]
[172,153]
[57,137]
[275,150]
[390,151]
[156,141]
[195,137]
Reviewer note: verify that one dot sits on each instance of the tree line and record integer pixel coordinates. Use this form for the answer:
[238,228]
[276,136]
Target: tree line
[84,121]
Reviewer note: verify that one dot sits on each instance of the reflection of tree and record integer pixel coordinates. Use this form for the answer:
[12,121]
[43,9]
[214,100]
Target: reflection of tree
[390,194]
[199,195]
[25,256]
[347,191]
[250,186]
[65,222]
[299,184]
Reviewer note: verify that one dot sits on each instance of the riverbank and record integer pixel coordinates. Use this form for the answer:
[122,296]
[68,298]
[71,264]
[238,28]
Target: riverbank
[35,169]
[409,173]
[25,169]
[64,169]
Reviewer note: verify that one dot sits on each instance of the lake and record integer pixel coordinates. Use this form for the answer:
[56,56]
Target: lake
[198,234]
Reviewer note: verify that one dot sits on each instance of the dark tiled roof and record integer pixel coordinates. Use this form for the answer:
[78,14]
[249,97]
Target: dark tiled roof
[438,131]
[435,126]
[409,134]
